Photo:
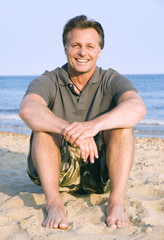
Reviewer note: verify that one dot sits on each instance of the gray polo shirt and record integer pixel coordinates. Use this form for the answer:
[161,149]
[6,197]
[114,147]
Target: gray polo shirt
[98,97]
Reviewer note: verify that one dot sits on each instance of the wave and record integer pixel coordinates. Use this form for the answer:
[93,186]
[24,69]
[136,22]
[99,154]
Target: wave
[16,128]
[9,111]
[13,115]
[4,116]
[157,122]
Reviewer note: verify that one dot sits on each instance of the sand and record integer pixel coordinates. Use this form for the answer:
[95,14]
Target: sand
[22,203]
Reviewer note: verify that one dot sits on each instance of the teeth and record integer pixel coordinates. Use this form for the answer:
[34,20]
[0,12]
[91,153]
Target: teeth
[82,60]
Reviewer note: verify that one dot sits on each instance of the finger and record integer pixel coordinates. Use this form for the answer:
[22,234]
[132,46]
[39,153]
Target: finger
[91,150]
[70,126]
[92,156]
[95,149]
[83,134]
[71,137]
[73,128]
[79,139]
[82,150]
[87,151]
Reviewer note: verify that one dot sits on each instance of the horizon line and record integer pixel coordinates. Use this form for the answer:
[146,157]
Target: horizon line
[21,75]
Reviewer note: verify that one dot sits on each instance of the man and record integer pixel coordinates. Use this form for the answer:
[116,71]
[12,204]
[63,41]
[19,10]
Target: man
[82,117]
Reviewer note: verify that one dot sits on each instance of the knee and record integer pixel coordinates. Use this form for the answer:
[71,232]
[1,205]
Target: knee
[46,139]
[120,134]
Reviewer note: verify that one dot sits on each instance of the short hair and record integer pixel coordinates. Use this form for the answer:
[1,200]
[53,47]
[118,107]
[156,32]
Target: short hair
[82,22]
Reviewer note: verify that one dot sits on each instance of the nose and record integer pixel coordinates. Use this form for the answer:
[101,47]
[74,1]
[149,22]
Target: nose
[82,51]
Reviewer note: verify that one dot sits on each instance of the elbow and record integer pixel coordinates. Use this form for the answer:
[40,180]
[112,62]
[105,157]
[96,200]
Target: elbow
[23,112]
[142,111]
[138,113]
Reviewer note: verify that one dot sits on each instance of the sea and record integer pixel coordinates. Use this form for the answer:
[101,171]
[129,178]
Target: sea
[150,88]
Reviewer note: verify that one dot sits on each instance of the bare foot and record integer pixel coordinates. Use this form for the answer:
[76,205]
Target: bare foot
[115,215]
[56,217]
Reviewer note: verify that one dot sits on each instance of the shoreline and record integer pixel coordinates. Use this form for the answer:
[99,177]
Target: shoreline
[140,130]
[156,143]
[138,139]
[137,133]
[22,203]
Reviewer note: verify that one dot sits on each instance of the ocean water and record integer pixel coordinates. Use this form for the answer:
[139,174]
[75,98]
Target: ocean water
[150,87]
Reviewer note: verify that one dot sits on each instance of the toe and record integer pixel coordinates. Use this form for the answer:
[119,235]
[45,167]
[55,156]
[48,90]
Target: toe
[119,223]
[58,223]
[63,225]
[111,223]
[112,226]
[46,224]
[55,225]
[122,223]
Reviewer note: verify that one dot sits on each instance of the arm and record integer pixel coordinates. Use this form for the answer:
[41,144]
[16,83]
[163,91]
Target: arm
[39,117]
[129,111]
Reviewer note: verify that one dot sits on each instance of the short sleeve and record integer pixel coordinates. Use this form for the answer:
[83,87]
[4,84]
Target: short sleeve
[44,86]
[119,85]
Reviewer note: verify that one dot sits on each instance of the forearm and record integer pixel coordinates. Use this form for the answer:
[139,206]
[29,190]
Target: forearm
[129,111]
[39,118]
[125,115]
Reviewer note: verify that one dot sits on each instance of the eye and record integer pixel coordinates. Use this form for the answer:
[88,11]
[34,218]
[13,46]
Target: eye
[90,46]
[75,45]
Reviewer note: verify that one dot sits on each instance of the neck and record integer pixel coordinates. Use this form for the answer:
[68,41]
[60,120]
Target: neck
[80,78]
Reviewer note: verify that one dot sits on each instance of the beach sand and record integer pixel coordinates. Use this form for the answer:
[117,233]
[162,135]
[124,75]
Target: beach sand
[22,203]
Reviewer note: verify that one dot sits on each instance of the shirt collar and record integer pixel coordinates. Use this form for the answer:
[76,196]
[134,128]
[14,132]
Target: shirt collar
[64,77]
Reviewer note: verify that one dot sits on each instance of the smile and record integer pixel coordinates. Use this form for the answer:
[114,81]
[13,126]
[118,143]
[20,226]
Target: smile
[82,60]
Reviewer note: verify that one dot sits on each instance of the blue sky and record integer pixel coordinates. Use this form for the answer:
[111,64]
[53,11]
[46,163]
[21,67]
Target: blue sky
[31,30]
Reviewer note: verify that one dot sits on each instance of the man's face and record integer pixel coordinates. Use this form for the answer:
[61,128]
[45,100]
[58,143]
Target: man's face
[82,50]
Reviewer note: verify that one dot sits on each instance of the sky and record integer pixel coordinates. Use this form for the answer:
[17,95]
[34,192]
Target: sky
[31,34]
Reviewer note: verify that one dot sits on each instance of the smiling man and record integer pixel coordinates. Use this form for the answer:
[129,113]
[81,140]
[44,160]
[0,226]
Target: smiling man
[82,50]
[82,120]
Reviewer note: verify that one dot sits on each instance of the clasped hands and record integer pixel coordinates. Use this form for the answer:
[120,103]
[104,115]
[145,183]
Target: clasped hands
[81,134]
